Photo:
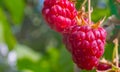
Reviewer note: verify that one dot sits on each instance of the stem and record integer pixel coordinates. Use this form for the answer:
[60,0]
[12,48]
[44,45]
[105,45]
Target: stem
[116,52]
[89,11]
[84,2]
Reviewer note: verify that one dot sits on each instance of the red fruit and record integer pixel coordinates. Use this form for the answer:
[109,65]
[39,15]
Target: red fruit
[86,45]
[103,66]
[60,14]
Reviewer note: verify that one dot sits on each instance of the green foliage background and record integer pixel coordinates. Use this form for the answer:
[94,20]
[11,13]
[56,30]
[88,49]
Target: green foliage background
[38,48]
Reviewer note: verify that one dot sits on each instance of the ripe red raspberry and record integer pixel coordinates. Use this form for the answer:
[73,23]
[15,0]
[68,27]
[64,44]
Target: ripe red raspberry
[103,66]
[59,14]
[86,45]
[73,28]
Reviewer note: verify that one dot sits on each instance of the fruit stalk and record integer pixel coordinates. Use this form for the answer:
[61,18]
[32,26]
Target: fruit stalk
[116,52]
[84,2]
[89,11]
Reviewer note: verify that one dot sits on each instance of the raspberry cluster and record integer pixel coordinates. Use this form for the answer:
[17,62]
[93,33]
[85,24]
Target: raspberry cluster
[83,40]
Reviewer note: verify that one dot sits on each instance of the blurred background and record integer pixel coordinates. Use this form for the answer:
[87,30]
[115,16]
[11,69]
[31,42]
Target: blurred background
[27,44]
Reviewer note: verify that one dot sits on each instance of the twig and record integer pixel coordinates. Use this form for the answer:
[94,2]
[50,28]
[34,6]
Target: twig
[84,2]
[116,52]
[89,11]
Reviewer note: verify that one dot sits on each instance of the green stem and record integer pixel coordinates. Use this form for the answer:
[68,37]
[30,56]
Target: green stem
[115,52]
[84,2]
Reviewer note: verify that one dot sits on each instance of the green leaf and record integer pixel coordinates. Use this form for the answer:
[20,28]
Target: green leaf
[40,66]
[100,13]
[26,52]
[108,51]
[1,33]
[54,55]
[78,4]
[16,9]
[44,66]
[29,60]
[65,62]
[114,8]
[6,33]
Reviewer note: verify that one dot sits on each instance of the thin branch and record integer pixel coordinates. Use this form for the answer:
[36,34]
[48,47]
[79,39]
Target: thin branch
[84,2]
[89,11]
[116,52]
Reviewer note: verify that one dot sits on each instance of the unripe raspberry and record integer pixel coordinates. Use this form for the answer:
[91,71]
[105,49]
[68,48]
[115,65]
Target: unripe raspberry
[59,14]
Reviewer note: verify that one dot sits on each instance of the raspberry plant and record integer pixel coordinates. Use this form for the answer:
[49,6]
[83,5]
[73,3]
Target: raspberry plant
[84,39]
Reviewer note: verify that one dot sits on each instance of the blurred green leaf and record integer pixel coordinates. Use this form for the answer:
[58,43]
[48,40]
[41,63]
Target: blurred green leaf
[27,70]
[45,66]
[40,66]
[65,62]
[114,8]
[100,13]
[7,33]
[54,55]
[24,64]
[26,52]
[1,33]
[29,60]
[78,4]
[108,51]
[16,9]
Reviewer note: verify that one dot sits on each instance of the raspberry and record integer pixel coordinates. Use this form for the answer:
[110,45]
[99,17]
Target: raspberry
[60,14]
[66,34]
[86,45]
[103,66]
